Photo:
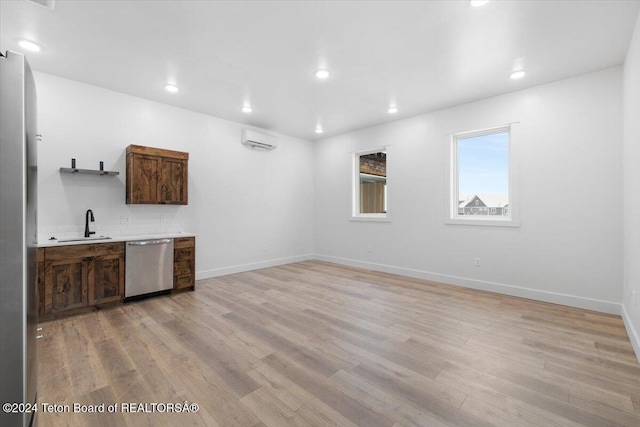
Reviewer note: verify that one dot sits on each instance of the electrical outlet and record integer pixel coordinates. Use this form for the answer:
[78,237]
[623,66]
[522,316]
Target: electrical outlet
[477,262]
[264,248]
[125,220]
[369,249]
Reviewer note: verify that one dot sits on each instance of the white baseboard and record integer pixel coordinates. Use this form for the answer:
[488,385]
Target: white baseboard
[546,296]
[631,331]
[207,274]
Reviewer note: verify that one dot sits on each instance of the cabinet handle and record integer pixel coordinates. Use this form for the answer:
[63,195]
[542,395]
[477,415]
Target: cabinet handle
[39,337]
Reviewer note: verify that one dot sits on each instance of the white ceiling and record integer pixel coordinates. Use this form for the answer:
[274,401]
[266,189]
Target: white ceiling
[420,55]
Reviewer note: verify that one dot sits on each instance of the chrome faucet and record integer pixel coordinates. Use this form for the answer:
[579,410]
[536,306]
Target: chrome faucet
[88,217]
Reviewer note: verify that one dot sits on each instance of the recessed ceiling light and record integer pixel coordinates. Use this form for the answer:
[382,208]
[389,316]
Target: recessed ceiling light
[478,3]
[323,74]
[29,45]
[319,129]
[518,74]
[247,109]
[392,110]
[171,88]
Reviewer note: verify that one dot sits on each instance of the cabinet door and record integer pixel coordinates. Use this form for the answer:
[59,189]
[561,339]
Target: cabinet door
[65,284]
[174,181]
[106,279]
[143,179]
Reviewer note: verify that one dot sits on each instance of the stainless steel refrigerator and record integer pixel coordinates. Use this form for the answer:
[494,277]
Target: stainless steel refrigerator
[18,237]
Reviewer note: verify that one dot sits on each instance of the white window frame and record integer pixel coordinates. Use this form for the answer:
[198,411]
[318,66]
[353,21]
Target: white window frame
[355,182]
[452,202]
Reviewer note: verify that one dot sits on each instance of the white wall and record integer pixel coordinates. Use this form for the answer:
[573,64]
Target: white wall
[252,209]
[569,246]
[249,208]
[631,207]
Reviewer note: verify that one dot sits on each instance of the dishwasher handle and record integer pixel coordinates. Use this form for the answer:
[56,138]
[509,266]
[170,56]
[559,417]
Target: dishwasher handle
[149,242]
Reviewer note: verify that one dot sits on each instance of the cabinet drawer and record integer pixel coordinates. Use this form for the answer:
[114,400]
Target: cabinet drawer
[82,251]
[183,281]
[183,254]
[182,267]
[184,242]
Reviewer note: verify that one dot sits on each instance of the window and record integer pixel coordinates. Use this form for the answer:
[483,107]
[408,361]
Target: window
[370,185]
[481,178]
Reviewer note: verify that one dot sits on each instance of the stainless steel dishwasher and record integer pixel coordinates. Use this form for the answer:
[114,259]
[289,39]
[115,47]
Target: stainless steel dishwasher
[149,267]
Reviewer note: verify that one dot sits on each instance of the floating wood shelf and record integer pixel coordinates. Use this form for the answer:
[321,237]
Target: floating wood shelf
[89,171]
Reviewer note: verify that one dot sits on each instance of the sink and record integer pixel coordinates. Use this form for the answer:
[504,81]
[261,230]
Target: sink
[84,239]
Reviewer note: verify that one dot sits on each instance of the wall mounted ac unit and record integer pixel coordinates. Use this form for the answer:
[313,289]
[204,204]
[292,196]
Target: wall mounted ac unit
[256,139]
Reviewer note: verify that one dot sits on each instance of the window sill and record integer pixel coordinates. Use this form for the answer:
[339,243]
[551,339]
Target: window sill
[483,222]
[363,218]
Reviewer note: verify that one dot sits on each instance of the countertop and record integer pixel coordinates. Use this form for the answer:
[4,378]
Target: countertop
[127,238]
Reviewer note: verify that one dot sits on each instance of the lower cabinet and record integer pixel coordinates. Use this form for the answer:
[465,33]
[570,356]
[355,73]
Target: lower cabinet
[184,263]
[73,279]
[81,276]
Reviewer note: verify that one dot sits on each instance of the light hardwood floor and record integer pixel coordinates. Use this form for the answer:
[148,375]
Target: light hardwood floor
[319,344]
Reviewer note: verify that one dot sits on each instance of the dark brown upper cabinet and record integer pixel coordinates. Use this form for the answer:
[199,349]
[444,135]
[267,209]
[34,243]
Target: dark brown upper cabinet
[156,176]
